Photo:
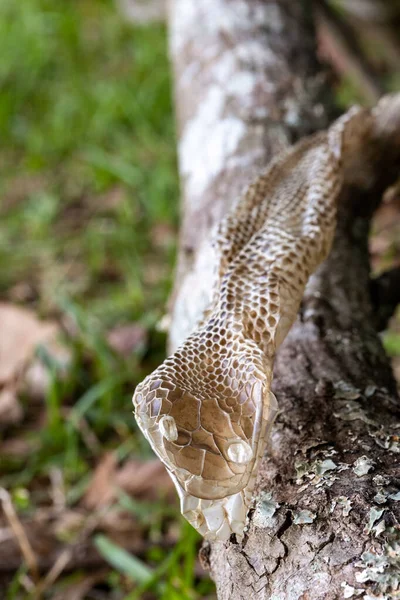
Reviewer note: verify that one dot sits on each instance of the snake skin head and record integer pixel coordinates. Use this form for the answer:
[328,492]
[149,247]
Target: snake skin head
[208,408]
[208,440]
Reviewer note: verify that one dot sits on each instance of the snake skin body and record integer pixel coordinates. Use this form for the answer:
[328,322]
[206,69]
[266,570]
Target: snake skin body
[207,409]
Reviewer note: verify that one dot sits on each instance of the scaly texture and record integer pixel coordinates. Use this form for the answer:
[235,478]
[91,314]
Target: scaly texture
[207,409]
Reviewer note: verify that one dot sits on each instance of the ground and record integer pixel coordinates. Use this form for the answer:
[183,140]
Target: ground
[88,229]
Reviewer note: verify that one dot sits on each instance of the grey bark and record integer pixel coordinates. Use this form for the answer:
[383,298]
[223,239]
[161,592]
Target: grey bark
[325,521]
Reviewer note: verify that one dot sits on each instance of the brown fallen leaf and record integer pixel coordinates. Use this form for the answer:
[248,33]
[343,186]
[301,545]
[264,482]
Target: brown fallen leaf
[101,487]
[37,378]
[18,447]
[144,480]
[379,245]
[22,291]
[10,407]
[21,332]
[124,339]
[386,216]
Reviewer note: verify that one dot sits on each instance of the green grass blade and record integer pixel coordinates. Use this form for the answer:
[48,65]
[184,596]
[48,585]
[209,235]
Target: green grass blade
[121,560]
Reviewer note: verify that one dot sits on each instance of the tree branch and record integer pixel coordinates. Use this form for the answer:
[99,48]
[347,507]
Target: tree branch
[246,84]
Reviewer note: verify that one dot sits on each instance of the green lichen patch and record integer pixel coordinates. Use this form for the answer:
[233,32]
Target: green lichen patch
[303,517]
[374,515]
[381,569]
[266,508]
[363,465]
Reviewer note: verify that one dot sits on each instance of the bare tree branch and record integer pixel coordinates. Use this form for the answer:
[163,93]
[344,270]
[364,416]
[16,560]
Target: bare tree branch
[247,83]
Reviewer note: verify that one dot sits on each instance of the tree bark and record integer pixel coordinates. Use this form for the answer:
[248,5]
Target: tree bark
[325,519]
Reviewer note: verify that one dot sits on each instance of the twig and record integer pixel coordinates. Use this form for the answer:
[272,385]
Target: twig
[19,533]
[65,557]
[57,489]
[53,574]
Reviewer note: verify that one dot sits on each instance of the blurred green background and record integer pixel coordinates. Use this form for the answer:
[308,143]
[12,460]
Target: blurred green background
[88,227]
[88,222]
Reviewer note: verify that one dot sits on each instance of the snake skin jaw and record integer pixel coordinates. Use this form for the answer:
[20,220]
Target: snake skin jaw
[215,519]
[219,519]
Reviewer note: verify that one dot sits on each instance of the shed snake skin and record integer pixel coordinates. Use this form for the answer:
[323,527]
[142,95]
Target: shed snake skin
[207,409]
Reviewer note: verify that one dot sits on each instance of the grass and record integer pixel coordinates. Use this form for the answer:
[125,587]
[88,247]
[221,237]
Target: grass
[88,222]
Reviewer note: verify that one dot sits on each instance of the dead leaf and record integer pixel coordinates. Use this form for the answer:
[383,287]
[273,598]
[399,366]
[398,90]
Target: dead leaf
[125,339]
[100,490]
[37,377]
[21,292]
[144,480]
[17,447]
[10,408]
[379,245]
[21,333]
[147,480]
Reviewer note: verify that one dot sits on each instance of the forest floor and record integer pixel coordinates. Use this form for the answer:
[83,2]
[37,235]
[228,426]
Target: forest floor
[88,229]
